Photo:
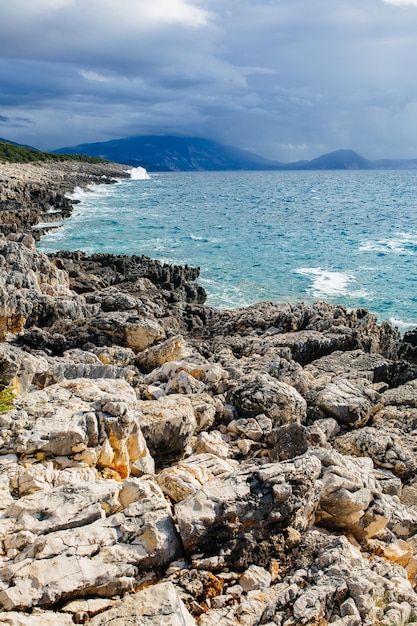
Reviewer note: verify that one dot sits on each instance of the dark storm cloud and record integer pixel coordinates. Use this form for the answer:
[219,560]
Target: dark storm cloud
[287,78]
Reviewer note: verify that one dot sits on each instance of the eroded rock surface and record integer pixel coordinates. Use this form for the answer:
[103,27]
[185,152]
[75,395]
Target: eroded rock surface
[165,463]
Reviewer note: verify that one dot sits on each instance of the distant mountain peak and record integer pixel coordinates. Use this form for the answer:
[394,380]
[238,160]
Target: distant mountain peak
[171,153]
[339,160]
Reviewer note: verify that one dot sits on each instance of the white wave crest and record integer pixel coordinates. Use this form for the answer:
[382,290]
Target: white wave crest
[81,194]
[77,194]
[138,173]
[402,323]
[326,283]
[402,243]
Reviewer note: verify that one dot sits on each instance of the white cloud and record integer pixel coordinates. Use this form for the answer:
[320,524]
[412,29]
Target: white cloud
[171,11]
[402,3]
[95,76]
[133,13]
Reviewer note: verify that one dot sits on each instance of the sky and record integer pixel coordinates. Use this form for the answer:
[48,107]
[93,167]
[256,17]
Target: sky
[287,79]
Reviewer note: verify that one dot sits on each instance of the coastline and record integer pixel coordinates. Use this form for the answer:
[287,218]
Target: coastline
[38,193]
[269,261]
[214,467]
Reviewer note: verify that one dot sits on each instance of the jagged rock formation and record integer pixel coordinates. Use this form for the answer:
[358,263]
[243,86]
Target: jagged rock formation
[166,463]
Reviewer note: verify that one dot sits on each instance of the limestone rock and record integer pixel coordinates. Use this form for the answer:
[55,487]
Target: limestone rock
[167,425]
[346,402]
[18,368]
[67,418]
[184,383]
[43,583]
[341,572]
[205,408]
[33,290]
[125,357]
[138,272]
[286,370]
[351,498]
[255,578]
[348,489]
[209,464]
[111,299]
[253,607]
[136,330]
[45,618]
[262,394]
[157,605]
[211,374]
[212,443]
[398,409]
[290,440]
[310,332]
[86,540]
[80,364]
[386,449]
[330,580]
[172,349]
[178,483]
[247,513]
[356,366]
[140,334]
[82,610]
[114,355]
[254,428]
[35,477]
[187,477]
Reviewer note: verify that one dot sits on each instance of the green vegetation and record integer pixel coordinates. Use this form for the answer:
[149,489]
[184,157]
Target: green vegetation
[19,154]
[6,399]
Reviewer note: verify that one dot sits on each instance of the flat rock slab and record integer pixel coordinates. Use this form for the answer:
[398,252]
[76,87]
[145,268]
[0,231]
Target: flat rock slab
[159,605]
[88,539]
[352,365]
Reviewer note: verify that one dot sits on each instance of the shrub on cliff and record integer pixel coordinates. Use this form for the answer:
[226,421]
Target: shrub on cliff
[14,153]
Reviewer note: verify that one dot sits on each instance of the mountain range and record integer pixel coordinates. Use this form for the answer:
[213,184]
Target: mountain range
[170,153]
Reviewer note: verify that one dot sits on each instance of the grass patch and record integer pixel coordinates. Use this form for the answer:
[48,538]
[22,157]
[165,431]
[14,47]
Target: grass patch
[7,397]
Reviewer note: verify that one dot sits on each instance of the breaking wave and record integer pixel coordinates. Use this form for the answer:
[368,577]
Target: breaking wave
[139,173]
[327,284]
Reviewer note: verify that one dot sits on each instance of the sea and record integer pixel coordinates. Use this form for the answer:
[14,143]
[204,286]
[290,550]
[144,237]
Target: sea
[347,237]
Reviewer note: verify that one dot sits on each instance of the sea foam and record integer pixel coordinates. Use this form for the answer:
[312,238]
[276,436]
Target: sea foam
[327,284]
[81,194]
[402,243]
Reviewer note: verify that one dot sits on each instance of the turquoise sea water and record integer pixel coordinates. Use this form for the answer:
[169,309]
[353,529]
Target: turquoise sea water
[346,237]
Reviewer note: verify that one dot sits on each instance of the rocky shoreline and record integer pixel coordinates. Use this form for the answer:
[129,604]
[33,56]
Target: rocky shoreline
[38,193]
[165,463]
